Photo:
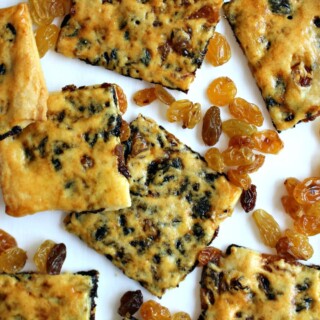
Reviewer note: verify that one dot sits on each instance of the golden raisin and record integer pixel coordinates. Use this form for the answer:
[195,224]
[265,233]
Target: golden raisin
[299,245]
[254,166]
[307,191]
[144,97]
[214,159]
[46,38]
[219,51]
[122,99]
[313,209]
[41,256]
[12,260]
[241,180]
[241,141]
[236,127]
[291,207]
[152,310]
[211,128]
[290,184]
[186,111]
[308,225]
[163,95]
[243,110]
[208,254]
[238,156]
[6,241]
[181,316]
[221,91]
[125,131]
[267,141]
[268,227]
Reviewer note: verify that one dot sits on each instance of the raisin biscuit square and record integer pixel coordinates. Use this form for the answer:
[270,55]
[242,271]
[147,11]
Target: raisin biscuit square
[244,284]
[177,205]
[281,40]
[23,92]
[51,297]
[72,161]
[156,41]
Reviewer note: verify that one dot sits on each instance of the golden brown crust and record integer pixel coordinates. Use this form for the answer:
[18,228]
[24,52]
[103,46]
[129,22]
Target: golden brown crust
[23,92]
[68,162]
[157,41]
[281,42]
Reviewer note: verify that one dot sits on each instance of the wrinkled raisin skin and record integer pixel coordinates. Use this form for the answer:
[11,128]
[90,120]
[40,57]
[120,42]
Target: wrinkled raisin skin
[130,303]
[56,258]
[212,126]
[248,198]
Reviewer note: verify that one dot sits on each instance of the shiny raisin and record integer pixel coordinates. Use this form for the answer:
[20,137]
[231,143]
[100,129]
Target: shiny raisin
[211,14]
[186,111]
[163,95]
[130,303]
[12,260]
[241,180]
[292,207]
[41,256]
[152,310]
[56,258]
[144,97]
[125,131]
[236,127]
[283,248]
[46,38]
[238,156]
[6,241]
[248,198]
[221,91]
[268,227]
[267,141]
[307,191]
[211,128]
[181,316]
[313,209]
[299,245]
[122,99]
[219,51]
[254,166]
[214,159]
[243,110]
[241,141]
[290,184]
[308,225]
[208,254]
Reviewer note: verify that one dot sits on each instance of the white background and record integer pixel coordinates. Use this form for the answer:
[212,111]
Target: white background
[299,158]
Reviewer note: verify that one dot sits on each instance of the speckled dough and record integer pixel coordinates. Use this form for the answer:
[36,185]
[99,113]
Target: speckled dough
[157,41]
[244,284]
[177,206]
[23,93]
[51,297]
[281,40]
[70,162]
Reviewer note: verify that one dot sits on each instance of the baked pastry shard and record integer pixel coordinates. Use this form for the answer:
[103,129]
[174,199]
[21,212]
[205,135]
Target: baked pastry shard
[244,284]
[281,41]
[71,162]
[23,93]
[156,41]
[177,205]
[51,297]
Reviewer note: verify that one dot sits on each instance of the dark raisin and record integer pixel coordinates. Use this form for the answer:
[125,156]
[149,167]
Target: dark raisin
[270,102]
[280,6]
[114,54]
[264,284]
[235,284]
[100,233]
[122,168]
[156,259]
[248,198]
[3,69]
[12,29]
[146,57]
[68,184]
[61,116]
[164,50]
[42,147]
[91,139]
[198,231]
[289,116]
[127,35]
[201,208]
[180,246]
[56,164]
[316,21]
[87,162]
[303,286]
[305,304]
[130,303]
[56,258]
[177,163]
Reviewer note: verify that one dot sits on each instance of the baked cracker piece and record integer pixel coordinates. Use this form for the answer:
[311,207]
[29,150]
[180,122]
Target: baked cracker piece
[23,92]
[281,40]
[71,162]
[52,297]
[244,284]
[177,205]
[156,41]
